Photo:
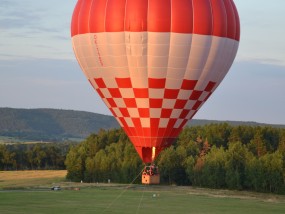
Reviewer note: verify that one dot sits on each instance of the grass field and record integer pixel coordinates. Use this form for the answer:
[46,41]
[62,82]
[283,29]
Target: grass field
[30,179]
[113,198]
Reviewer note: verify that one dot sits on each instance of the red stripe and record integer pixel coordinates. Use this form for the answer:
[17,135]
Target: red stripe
[136,15]
[159,19]
[84,17]
[204,17]
[231,24]
[182,16]
[237,37]
[74,23]
[115,15]
[219,18]
[97,15]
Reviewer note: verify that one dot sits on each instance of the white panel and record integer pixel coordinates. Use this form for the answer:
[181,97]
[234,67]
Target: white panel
[93,73]
[115,37]
[178,62]
[139,81]
[161,62]
[179,50]
[118,61]
[137,50]
[91,61]
[232,53]
[117,112]
[158,38]
[84,51]
[176,113]
[76,40]
[198,55]
[157,72]
[181,39]
[142,62]
[203,96]
[184,94]
[216,60]
[190,104]
[134,113]
[168,103]
[142,102]
[110,50]
[158,50]
[190,114]
[129,122]
[110,83]
[163,122]
[145,122]
[136,37]
[132,60]
[155,112]
[173,83]
[119,102]
[99,38]
[127,92]
[178,123]
[175,73]
[106,92]
[156,93]
[226,55]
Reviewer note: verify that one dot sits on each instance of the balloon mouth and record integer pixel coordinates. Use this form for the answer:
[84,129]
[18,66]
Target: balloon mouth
[148,154]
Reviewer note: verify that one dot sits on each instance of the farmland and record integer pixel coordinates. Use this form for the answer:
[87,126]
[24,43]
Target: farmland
[29,192]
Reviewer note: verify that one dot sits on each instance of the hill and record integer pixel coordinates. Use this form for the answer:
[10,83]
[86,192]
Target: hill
[51,124]
[56,124]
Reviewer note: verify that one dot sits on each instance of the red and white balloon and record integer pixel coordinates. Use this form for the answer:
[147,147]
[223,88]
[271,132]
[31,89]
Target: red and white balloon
[155,62]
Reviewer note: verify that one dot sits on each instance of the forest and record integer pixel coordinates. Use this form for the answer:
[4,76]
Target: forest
[218,156]
[33,156]
[212,156]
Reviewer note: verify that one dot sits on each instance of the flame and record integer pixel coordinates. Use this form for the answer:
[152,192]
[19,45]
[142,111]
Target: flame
[153,153]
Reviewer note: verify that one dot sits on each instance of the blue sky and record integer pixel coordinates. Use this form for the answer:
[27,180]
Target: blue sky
[38,68]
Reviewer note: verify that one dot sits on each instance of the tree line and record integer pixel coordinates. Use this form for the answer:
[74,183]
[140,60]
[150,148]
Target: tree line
[33,156]
[213,156]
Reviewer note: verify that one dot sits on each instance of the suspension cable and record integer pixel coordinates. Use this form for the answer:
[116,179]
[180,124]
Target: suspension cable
[122,192]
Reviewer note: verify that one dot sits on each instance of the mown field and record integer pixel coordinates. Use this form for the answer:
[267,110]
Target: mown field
[114,198]
[30,179]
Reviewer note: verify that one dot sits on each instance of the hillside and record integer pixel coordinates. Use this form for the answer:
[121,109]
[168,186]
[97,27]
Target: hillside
[55,124]
[51,124]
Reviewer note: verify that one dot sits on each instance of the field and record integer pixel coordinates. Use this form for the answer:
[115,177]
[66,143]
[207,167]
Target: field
[114,198]
[30,179]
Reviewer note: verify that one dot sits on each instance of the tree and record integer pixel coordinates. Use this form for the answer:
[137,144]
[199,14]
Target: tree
[214,172]
[272,169]
[236,157]
[39,156]
[75,164]
[257,144]
[171,167]
[7,158]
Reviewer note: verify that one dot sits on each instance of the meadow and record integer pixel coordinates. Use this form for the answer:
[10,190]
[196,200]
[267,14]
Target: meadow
[29,192]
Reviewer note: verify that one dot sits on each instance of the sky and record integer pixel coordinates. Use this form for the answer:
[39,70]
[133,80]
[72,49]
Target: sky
[38,68]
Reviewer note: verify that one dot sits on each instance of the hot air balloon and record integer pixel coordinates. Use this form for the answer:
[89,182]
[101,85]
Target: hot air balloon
[154,63]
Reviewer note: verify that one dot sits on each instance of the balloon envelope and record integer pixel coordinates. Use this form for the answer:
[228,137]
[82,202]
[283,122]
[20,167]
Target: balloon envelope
[155,62]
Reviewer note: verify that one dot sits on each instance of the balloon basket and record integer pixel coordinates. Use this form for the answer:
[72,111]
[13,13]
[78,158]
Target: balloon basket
[150,175]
